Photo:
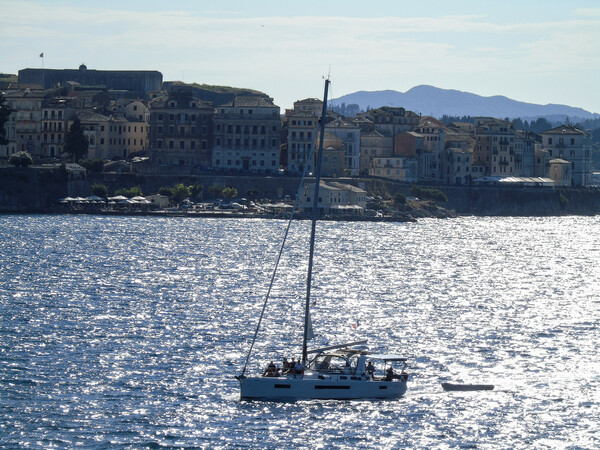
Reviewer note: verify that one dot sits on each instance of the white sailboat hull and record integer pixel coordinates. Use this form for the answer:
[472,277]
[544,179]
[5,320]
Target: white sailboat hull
[313,387]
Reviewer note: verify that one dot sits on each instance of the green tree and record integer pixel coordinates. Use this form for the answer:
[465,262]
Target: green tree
[428,193]
[100,190]
[399,198]
[165,190]
[93,165]
[230,192]
[196,191]
[179,192]
[5,111]
[20,159]
[215,191]
[130,192]
[76,143]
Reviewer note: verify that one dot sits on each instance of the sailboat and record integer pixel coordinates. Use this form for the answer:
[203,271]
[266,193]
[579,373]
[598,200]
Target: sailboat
[344,371]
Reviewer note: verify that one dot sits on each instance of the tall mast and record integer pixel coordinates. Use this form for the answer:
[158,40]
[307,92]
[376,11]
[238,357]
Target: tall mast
[315,214]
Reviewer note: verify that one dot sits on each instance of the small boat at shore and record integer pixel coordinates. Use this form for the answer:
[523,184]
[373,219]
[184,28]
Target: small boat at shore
[467,387]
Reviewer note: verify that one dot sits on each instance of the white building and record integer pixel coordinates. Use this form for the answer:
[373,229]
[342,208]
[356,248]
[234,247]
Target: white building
[335,199]
[571,144]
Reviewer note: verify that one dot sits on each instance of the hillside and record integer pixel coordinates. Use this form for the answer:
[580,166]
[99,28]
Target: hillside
[436,102]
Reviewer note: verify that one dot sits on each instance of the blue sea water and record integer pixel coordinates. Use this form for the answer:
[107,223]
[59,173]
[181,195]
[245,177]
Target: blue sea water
[128,331]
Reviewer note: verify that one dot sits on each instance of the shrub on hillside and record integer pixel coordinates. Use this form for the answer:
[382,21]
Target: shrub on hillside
[428,193]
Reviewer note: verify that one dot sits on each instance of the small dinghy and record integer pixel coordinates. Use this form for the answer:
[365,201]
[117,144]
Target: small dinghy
[467,387]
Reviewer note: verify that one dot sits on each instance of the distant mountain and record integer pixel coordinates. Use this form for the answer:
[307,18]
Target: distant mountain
[436,102]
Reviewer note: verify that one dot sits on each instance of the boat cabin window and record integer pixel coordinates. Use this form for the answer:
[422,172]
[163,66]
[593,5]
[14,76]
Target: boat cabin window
[332,364]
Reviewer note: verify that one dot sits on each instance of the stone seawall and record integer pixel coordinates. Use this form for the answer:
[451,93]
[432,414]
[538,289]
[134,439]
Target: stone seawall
[28,189]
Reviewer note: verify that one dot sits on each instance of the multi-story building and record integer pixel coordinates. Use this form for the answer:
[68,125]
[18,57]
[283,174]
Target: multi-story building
[457,166]
[333,162]
[303,127]
[560,172]
[391,121]
[434,134]
[247,135]
[397,168]
[56,114]
[573,145]
[373,144]
[180,131]
[136,81]
[334,198]
[525,143]
[133,110]
[541,165]
[112,137]
[350,135]
[411,144]
[24,131]
[495,145]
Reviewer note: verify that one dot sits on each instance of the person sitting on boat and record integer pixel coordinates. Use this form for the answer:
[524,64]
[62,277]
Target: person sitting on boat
[292,366]
[285,365]
[299,368]
[370,369]
[270,371]
[389,374]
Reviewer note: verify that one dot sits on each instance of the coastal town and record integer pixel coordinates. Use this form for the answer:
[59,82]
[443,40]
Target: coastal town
[133,122]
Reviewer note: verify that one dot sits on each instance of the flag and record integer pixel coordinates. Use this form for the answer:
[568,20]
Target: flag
[41,55]
[355,325]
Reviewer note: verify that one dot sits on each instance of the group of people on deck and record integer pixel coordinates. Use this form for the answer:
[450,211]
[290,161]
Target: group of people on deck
[292,367]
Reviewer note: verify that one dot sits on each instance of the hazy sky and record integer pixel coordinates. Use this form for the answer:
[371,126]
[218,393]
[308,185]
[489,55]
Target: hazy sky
[535,51]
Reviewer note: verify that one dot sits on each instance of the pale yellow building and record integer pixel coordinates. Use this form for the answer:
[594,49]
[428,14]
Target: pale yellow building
[397,168]
[561,172]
